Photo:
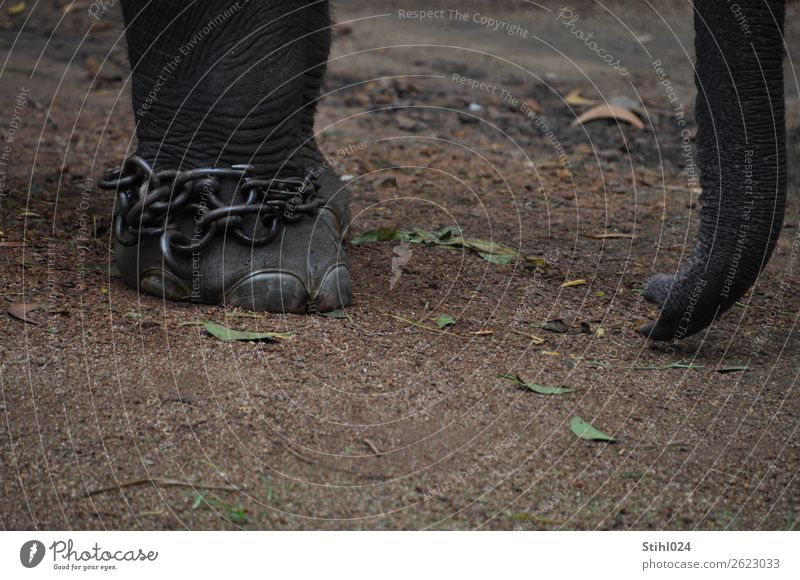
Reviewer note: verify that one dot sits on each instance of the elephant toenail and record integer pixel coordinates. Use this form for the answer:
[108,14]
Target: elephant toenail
[163,284]
[270,291]
[336,290]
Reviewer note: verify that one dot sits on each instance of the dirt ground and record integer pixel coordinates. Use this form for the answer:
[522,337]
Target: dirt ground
[118,412]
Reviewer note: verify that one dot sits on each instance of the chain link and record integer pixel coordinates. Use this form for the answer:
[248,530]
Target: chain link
[154,203]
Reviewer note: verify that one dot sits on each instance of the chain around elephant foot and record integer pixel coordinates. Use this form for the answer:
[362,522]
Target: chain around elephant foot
[227,236]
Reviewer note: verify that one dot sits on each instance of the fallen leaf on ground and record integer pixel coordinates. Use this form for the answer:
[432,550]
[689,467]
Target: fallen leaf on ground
[556,325]
[450,236]
[575,99]
[584,430]
[536,261]
[610,236]
[598,364]
[16,9]
[337,314]
[20,310]
[229,335]
[379,235]
[534,339]
[737,369]
[497,259]
[12,244]
[677,365]
[579,282]
[539,389]
[445,320]
[606,111]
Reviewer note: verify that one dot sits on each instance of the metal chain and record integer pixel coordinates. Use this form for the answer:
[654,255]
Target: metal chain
[154,203]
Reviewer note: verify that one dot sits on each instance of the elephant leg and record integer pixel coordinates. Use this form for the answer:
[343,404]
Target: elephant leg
[227,199]
[742,161]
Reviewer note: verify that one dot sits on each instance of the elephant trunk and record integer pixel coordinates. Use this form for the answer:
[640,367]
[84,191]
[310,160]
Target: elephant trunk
[742,162]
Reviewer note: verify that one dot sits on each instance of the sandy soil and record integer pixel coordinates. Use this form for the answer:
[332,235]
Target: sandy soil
[379,420]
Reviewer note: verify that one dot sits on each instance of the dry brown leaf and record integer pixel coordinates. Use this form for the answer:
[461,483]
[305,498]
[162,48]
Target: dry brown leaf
[571,283]
[20,310]
[575,99]
[12,244]
[16,9]
[610,236]
[606,111]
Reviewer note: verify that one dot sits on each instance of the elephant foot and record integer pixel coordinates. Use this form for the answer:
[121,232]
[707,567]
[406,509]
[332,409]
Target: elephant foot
[225,236]
[688,303]
[657,288]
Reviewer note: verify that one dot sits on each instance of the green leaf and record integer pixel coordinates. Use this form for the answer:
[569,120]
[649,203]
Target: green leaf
[445,320]
[447,237]
[199,499]
[571,283]
[238,515]
[584,430]
[230,335]
[677,365]
[380,235]
[339,314]
[536,261]
[739,369]
[447,232]
[487,247]
[500,260]
[539,389]
[683,365]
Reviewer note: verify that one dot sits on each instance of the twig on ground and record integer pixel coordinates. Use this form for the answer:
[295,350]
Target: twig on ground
[426,327]
[372,447]
[159,481]
[534,339]
[300,456]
